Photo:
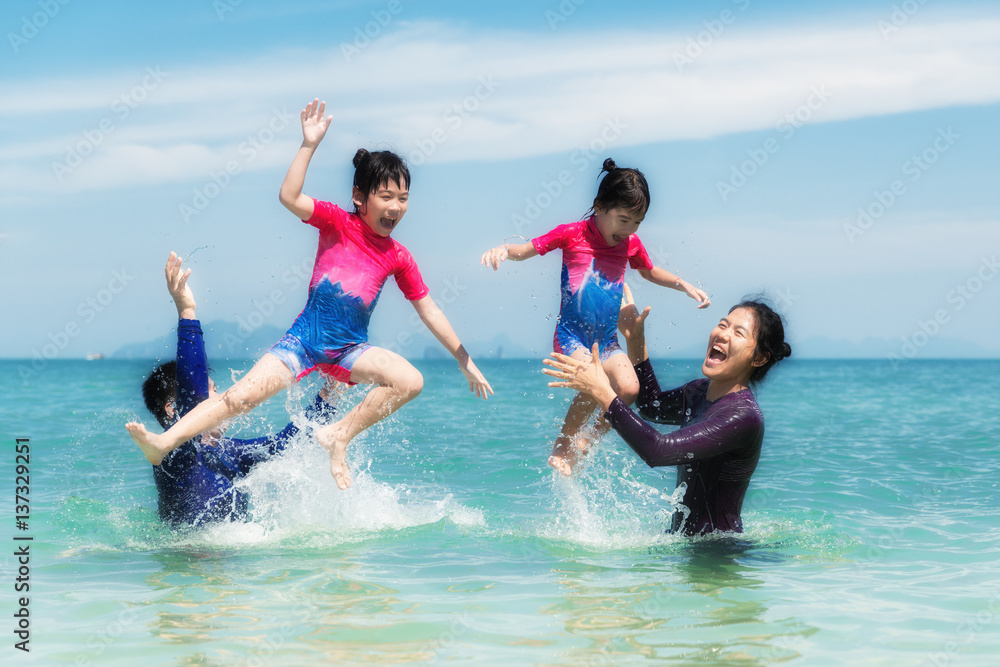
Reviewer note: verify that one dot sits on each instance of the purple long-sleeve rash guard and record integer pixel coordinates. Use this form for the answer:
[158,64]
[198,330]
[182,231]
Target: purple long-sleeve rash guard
[715,450]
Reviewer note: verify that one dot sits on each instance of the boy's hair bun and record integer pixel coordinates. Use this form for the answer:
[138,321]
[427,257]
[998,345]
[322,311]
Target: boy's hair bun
[609,165]
[360,156]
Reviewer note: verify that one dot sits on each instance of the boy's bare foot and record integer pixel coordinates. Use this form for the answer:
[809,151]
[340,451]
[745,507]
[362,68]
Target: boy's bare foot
[330,439]
[148,442]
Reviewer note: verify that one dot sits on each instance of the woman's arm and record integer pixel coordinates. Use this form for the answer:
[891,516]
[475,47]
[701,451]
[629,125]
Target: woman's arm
[723,431]
[438,324]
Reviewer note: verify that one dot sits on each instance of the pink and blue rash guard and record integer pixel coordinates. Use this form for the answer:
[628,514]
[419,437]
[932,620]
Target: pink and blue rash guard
[593,278]
[352,265]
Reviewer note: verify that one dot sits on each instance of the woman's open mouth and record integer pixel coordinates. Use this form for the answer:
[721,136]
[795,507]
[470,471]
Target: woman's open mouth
[716,355]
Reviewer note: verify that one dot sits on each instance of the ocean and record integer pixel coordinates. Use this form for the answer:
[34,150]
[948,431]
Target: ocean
[872,531]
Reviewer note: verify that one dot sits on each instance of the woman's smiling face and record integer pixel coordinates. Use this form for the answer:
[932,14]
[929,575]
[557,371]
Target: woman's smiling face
[732,348]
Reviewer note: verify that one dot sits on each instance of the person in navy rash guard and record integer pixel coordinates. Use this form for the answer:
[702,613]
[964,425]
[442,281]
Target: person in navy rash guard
[195,482]
[721,429]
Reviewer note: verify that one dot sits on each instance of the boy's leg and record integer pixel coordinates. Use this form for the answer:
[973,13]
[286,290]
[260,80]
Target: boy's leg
[268,376]
[571,445]
[398,383]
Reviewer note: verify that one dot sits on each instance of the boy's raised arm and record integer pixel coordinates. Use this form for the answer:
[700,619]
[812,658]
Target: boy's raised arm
[664,278]
[314,127]
[438,325]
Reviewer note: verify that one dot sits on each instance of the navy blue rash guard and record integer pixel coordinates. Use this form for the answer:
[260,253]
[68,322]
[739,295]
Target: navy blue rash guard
[195,482]
[716,449]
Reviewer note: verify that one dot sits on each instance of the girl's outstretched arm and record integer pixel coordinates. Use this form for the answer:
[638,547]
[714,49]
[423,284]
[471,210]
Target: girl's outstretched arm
[314,127]
[517,252]
[438,325]
[664,278]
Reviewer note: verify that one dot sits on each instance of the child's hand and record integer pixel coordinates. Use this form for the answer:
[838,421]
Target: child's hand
[494,257]
[314,125]
[698,295]
[477,383]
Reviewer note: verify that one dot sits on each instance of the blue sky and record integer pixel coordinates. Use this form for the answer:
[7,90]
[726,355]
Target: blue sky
[839,156]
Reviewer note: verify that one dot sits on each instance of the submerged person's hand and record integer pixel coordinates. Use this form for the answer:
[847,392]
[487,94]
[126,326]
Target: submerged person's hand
[179,290]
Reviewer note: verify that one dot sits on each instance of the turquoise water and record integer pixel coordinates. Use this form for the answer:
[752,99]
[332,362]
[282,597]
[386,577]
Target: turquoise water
[873,532]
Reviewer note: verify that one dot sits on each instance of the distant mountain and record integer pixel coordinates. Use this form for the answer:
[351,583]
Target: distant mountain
[228,340]
[223,340]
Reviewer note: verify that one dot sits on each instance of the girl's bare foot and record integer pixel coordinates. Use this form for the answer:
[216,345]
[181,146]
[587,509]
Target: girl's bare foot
[566,455]
[148,442]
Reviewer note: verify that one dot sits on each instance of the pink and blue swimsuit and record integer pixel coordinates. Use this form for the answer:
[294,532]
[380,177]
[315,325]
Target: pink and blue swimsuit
[593,279]
[352,265]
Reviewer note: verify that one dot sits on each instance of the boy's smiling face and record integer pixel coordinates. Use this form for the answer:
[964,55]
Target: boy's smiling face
[383,209]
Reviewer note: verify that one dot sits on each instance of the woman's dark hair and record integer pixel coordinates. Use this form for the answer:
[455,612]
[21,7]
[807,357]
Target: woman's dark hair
[376,170]
[770,334]
[159,389]
[621,188]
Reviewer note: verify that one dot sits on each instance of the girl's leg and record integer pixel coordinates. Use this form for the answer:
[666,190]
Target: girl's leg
[571,445]
[398,383]
[268,376]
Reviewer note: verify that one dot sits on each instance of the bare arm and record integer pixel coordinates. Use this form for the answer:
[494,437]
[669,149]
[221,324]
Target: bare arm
[516,252]
[664,278]
[438,324]
[632,325]
[314,127]
[177,286]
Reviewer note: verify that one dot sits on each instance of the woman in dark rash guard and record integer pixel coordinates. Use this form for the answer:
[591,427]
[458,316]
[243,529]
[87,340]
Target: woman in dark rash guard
[721,429]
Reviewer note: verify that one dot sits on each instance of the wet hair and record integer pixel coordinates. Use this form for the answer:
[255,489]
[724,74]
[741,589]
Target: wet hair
[621,188]
[159,389]
[376,170]
[769,330]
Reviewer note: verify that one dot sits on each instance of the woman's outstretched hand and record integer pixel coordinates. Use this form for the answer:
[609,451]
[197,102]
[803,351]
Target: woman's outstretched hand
[584,376]
[631,323]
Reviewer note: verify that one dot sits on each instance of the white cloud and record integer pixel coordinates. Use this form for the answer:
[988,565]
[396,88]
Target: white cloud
[438,93]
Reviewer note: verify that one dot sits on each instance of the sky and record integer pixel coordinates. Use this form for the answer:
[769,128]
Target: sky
[838,156]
